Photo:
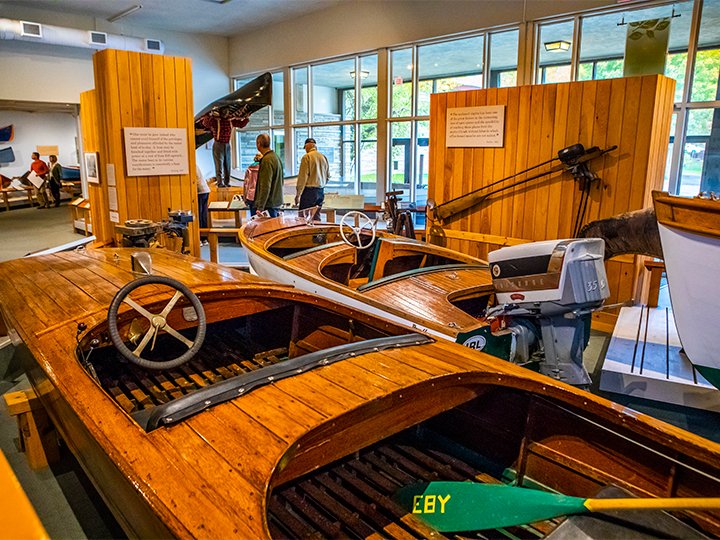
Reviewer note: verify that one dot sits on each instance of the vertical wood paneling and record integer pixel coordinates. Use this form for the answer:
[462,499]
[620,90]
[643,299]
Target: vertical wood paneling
[632,113]
[97,195]
[142,90]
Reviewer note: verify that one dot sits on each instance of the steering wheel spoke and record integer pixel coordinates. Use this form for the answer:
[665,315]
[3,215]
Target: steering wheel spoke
[177,335]
[137,307]
[158,323]
[364,223]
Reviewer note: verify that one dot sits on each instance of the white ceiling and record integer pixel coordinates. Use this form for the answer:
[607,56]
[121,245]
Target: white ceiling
[220,17]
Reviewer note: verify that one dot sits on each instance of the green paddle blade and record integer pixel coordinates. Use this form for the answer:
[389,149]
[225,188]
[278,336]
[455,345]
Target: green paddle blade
[466,506]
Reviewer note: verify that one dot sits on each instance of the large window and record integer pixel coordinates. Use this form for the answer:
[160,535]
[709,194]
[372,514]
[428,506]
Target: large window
[418,71]
[694,147]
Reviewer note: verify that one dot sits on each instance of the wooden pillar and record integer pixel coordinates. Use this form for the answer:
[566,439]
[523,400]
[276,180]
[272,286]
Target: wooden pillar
[97,194]
[141,90]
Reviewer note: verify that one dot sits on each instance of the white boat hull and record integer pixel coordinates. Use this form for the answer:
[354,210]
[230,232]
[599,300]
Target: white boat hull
[692,263]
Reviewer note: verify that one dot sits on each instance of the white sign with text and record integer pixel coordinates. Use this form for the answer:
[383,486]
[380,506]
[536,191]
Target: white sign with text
[475,127]
[156,151]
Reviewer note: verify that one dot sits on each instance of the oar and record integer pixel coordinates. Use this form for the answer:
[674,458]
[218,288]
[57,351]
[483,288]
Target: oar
[466,506]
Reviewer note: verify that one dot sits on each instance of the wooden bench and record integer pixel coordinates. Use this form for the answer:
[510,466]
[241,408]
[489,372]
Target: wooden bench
[37,435]
[7,193]
[17,514]
[656,271]
[213,235]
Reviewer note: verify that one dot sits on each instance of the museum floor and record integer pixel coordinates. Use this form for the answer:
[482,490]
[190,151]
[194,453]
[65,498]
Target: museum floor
[64,498]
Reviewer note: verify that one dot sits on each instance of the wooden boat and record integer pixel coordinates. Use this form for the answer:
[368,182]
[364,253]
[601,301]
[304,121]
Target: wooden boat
[690,235]
[300,418]
[445,293]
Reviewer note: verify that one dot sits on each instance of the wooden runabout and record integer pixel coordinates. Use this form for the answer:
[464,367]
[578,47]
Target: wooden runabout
[298,417]
[437,290]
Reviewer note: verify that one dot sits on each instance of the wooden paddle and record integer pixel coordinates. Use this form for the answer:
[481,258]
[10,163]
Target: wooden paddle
[467,506]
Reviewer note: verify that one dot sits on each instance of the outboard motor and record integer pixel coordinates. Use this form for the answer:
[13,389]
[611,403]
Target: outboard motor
[554,285]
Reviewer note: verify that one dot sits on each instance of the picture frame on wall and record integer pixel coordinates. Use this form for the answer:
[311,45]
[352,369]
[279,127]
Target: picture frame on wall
[91,167]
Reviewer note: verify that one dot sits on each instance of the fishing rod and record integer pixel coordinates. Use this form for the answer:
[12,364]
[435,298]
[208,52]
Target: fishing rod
[573,159]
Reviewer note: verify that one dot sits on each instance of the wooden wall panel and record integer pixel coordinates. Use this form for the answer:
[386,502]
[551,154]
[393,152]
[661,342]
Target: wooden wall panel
[91,143]
[143,90]
[633,113]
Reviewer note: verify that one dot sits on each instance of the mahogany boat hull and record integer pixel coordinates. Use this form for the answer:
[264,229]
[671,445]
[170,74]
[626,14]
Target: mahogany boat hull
[229,468]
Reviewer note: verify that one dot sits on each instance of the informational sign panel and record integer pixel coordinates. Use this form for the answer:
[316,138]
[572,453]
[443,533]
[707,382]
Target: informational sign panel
[156,151]
[475,127]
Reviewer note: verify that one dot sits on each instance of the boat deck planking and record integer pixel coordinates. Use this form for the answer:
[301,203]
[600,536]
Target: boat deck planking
[220,473]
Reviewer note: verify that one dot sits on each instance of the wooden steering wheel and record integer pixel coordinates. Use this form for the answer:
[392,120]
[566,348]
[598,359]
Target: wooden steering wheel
[364,224]
[158,323]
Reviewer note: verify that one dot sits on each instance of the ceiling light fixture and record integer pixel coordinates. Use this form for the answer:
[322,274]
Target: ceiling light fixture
[557,46]
[125,13]
[363,73]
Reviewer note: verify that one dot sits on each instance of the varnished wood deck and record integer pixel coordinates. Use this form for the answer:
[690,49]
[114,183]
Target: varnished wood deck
[211,475]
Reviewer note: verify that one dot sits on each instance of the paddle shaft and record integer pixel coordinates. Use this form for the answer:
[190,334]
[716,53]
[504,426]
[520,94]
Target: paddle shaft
[607,505]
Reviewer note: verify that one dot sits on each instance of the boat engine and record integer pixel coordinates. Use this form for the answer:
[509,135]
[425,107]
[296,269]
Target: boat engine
[546,292]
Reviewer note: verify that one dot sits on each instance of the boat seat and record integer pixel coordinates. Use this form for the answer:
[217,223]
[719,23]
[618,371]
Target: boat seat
[419,271]
[311,250]
[389,249]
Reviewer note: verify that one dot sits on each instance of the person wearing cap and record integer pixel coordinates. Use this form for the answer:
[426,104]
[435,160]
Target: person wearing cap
[313,175]
[268,191]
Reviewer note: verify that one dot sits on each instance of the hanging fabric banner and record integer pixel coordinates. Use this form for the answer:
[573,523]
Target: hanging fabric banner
[646,47]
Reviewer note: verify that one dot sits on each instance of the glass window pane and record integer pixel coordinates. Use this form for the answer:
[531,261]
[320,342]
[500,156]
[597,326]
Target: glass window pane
[368,93]
[707,62]
[668,158]
[447,67]
[422,161]
[345,182]
[278,144]
[400,157]
[300,95]
[329,143]
[300,135]
[697,137]
[246,148]
[503,59]
[330,102]
[368,161]
[604,37]
[401,82]
[278,98]
[555,48]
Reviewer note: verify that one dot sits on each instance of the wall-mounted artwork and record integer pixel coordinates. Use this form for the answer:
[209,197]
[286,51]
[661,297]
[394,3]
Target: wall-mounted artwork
[7,133]
[91,167]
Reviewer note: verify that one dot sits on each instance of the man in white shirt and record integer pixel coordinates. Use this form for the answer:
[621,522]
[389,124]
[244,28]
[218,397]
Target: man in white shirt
[313,175]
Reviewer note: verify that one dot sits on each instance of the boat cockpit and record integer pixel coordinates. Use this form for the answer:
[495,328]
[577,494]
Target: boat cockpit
[163,360]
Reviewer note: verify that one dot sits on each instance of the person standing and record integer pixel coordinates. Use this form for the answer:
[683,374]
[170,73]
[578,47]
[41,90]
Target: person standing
[222,128]
[55,179]
[268,192]
[250,183]
[40,168]
[313,175]
[203,192]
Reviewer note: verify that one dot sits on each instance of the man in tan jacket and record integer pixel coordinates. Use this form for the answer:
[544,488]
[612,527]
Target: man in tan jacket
[313,175]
